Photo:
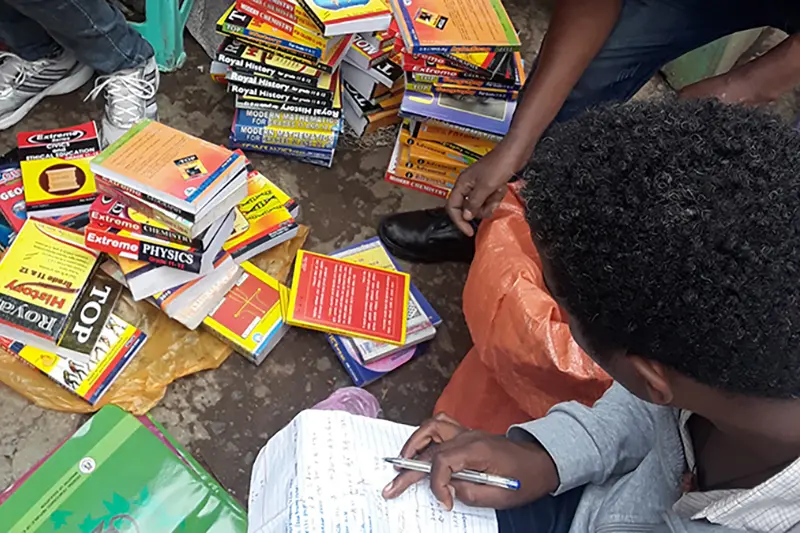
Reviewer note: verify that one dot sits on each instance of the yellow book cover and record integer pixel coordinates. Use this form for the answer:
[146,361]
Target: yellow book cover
[447,151]
[41,278]
[261,218]
[432,132]
[250,317]
[56,176]
[337,17]
[422,166]
[347,298]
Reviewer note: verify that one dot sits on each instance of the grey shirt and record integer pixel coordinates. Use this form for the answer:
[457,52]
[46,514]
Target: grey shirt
[629,455]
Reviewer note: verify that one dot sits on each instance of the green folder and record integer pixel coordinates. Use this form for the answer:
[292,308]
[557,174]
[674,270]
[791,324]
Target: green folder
[116,475]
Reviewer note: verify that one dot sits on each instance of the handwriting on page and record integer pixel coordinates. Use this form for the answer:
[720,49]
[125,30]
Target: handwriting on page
[324,473]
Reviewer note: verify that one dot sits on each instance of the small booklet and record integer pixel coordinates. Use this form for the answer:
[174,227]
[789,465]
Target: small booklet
[338,296]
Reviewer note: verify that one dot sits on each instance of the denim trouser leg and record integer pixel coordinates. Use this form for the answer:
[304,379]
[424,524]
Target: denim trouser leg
[651,33]
[551,514]
[96,32]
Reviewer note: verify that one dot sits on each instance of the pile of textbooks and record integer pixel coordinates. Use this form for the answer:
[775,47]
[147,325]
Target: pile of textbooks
[281,59]
[373,82]
[462,73]
[179,215]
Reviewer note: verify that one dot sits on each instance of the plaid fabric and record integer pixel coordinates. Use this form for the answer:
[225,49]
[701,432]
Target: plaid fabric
[771,507]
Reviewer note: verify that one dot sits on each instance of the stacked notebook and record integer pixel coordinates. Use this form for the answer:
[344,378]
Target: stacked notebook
[463,73]
[281,59]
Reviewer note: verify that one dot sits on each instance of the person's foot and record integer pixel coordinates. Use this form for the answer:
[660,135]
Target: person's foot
[23,84]
[425,237]
[130,97]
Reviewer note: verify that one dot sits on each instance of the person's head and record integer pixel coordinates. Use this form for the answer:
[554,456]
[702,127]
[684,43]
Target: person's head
[670,233]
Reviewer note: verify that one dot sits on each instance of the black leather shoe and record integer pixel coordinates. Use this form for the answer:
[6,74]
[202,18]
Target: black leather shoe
[427,236]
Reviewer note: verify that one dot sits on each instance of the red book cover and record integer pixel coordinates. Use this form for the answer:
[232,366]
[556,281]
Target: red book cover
[345,298]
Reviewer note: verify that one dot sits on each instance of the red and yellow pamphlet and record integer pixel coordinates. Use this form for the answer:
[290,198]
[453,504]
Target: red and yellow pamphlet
[345,298]
[443,27]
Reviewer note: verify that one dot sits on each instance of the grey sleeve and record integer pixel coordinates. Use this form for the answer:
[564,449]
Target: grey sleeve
[675,524]
[591,444]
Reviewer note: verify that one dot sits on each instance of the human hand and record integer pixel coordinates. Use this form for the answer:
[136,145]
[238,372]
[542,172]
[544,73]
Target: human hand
[727,88]
[452,448]
[481,187]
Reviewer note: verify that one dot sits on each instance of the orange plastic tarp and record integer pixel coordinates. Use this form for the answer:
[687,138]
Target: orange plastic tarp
[524,359]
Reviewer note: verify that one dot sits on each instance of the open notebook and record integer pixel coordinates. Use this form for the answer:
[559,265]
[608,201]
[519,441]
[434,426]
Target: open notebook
[325,472]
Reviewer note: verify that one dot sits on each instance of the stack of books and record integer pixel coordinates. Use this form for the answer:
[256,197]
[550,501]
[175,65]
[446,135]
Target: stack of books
[281,59]
[372,75]
[179,214]
[463,73]
[56,311]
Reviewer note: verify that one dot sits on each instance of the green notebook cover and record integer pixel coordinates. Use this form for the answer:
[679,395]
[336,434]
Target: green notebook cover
[114,475]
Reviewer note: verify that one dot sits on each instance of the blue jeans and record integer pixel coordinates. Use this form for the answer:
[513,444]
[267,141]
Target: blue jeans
[96,32]
[551,514]
[651,33]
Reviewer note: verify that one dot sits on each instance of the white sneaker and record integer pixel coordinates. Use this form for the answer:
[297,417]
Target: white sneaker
[23,84]
[130,97]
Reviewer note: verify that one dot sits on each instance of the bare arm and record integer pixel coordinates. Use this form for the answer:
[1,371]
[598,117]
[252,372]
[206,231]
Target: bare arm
[756,82]
[578,29]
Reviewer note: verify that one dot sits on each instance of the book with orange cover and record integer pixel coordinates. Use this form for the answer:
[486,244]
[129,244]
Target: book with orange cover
[346,298]
[443,27]
[180,173]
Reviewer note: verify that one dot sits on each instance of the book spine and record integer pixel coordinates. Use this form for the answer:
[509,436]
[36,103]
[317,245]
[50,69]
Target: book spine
[281,7]
[262,38]
[284,107]
[277,73]
[232,344]
[469,131]
[261,93]
[315,158]
[440,192]
[257,81]
[470,82]
[106,219]
[288,120]
[420,49]
[182,258]
[285,137]
[281,23]
[317,21]
[442,150]
[430,88]
[347,361]
[462,64]
[140,204]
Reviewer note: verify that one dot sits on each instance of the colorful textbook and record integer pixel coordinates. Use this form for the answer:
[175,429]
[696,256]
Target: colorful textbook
[43,279]
[372,252]
[119,474]
[160,171]
[250,317]
[56,172]
[346,298]
[118,343]
[442,27]
[340,17]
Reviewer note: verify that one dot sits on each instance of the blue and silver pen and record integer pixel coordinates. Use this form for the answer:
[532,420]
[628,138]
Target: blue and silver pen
[473,476]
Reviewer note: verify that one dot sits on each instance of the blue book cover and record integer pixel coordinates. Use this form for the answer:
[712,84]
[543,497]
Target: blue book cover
[364,374]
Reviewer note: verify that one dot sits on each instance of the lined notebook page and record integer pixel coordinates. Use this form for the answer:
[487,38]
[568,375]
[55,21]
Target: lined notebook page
[324,472]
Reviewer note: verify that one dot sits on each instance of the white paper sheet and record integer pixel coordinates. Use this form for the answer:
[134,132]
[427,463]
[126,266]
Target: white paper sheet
[324,472]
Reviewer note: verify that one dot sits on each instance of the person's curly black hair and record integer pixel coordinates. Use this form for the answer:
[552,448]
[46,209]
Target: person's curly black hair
[673,231]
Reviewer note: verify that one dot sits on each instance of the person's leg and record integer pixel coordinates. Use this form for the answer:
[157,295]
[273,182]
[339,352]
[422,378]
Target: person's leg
[95,31]
[551,514]
[36,67]
[648,34]
[94,35]
[24,36]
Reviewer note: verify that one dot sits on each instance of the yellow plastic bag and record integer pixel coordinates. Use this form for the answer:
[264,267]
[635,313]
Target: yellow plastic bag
[171,352]
[524,359]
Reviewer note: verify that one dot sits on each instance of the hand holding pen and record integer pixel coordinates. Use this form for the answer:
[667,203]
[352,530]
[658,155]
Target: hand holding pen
[452,451]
